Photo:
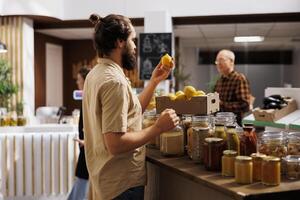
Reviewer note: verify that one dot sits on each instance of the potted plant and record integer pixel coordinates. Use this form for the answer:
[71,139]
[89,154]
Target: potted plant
[7,88]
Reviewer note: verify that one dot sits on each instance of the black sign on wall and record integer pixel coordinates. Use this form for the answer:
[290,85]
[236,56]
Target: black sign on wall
[151,47]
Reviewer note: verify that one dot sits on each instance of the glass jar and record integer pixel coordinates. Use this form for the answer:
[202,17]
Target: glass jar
[197,133]
[233,140]
[186,122]
[230,117]
[171,142]
[21,121]
[292,167]
[148,120]
[219,131]
[13,119]
[212,153]
[243,169]
[270,170]
[257,161]
[273,144]
[293,143]
[248,140]
[228,160]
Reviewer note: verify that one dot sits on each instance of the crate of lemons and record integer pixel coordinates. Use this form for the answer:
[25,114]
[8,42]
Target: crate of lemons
[188,101]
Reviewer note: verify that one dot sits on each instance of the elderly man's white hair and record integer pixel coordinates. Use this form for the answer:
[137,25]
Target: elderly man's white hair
[229,54]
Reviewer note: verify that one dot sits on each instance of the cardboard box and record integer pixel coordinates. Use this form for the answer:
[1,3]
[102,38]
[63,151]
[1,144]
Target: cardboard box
[272,115]
[202,105]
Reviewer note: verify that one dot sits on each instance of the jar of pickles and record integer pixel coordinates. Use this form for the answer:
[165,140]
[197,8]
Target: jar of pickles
[233,141]
[219,131]
[197,133]
[270,171]
[292,167]
[212,153]
[257,161]
[228,160]
[171,142]
[148,120]
[243,169]
[248,140]
[273,144]
[293,143]
[21,121]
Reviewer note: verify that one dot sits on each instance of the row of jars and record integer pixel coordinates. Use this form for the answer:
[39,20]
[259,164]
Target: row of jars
[6,120]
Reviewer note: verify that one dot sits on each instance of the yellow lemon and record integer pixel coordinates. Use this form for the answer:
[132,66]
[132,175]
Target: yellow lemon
[166,60]
[180,97]
[199,93]
[189,91]
[151,105]
[172,96]
[179,93]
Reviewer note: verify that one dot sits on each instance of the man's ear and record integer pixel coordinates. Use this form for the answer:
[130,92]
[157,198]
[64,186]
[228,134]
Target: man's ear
[120,43]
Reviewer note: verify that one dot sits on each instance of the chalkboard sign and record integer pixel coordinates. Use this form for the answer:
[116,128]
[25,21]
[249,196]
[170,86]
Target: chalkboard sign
[152,46]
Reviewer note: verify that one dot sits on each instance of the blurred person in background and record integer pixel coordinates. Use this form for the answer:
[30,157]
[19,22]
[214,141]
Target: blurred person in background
[112,114]
[232,86]
[80,187]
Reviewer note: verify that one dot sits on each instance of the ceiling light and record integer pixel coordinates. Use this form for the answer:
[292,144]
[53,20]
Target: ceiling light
[3,48]
[248,39]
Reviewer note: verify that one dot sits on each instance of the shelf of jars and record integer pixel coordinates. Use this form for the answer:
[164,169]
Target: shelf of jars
[283,123]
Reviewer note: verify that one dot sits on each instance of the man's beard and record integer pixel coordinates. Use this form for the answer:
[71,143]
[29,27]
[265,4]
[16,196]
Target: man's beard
[128,59]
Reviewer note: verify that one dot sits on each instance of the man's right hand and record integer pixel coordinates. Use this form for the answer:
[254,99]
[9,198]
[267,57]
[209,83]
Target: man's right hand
[167,120]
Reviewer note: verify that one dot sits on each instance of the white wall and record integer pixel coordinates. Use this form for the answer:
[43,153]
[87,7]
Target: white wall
[54,75]
[81,9]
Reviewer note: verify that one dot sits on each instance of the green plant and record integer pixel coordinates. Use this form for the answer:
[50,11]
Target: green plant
[7,88]
[19,108]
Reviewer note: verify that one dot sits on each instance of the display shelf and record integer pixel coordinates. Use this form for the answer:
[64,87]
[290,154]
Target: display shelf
[283,123]
[295,125]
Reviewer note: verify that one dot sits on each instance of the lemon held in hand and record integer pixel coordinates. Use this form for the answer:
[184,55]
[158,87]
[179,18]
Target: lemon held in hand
[166,60]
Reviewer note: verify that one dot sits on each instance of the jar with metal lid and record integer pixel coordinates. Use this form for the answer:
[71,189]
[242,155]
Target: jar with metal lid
[228,160]
[273,144]
[243,169]
[219,131]
[197,133]
[270,170]
[233,140]
[212,153]
[292,166]
[230,117]
[248,140]
[171,142]
[148,120]
[257,161]
[293,143]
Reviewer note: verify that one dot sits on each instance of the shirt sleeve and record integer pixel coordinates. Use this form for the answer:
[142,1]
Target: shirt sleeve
[114,100]
[242,93]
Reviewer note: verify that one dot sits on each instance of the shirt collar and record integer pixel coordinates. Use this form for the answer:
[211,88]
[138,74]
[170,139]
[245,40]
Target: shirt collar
[229,75]
[113,64]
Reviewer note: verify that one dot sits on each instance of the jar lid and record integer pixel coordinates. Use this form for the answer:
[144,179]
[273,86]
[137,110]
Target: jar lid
[271,159]
[258,156]
[230,126]
[248,125]
[292,158]
[243,158]
[213,140]
[230,153]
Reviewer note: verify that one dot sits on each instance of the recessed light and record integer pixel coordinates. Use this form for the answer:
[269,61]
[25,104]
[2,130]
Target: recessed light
[248,39]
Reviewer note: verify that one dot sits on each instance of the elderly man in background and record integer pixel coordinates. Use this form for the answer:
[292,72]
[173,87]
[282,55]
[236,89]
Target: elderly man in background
[232,86]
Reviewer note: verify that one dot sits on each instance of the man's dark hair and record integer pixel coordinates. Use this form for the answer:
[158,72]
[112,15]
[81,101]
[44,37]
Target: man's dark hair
[84,72]
[108,30]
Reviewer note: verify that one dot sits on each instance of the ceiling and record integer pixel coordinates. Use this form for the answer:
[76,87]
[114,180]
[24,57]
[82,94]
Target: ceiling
[278,35]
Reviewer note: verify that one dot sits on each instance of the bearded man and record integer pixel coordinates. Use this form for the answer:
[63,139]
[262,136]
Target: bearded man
[114,138]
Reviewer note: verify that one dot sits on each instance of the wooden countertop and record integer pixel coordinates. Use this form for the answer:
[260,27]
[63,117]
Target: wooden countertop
[185,167]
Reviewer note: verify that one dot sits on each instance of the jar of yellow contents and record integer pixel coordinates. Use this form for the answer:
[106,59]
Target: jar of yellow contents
[270,174]
[228,159]
[243,169]
[171,142]
[257,161]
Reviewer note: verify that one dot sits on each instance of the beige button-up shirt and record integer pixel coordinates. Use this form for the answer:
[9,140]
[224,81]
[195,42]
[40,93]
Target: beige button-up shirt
[110,106]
